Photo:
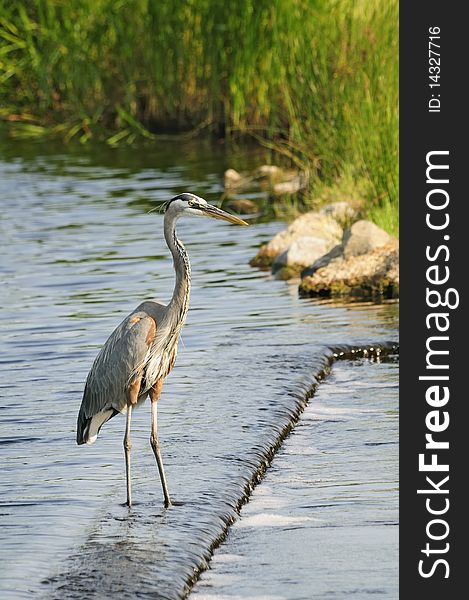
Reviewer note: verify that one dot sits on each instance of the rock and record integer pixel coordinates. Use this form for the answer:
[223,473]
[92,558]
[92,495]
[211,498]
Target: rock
[235,182]
[365,276]
[232,178]
[281,181]
[243,205]
[270,171]
[342,212]
[276,174]
[323,261]
[270,178]
[362,237]
[301,253]
[357,240]
[288,187]
[311,224]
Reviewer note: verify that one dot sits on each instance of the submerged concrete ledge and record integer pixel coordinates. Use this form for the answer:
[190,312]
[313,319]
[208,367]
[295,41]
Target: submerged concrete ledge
[159,554]
[302,393]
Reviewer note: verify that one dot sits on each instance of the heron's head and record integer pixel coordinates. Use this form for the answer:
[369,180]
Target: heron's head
[191,204]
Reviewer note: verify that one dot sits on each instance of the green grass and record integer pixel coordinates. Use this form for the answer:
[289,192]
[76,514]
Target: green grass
[316,79]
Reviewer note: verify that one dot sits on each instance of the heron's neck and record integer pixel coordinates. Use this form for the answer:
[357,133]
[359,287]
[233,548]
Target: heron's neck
[180,301]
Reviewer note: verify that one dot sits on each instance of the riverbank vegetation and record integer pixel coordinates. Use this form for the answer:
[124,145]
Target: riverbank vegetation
[317,80]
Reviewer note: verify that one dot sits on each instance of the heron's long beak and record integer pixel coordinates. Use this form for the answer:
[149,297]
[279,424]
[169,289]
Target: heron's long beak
[217,213]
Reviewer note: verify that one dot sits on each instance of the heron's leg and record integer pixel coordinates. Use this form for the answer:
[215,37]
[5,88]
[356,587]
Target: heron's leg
[127,448]
[155,443]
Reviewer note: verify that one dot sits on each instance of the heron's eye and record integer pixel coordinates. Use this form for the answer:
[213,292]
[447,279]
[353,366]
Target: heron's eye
[190,203]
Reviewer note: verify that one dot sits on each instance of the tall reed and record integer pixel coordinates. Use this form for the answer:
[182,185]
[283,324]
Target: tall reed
[317,78]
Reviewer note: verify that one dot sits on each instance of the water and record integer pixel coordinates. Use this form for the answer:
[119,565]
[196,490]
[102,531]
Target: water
[323,523]
[80,251]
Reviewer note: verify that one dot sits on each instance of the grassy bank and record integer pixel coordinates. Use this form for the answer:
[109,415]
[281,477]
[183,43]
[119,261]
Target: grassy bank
[316,78]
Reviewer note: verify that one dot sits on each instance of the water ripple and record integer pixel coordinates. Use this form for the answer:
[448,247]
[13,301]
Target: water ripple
[79,257]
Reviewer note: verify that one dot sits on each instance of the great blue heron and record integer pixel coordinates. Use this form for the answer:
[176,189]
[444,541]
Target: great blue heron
[141,351]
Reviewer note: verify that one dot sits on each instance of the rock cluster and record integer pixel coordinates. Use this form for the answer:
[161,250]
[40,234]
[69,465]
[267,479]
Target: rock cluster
[275,180]
[313,232]
[369,275]
[361,260]
[333,252]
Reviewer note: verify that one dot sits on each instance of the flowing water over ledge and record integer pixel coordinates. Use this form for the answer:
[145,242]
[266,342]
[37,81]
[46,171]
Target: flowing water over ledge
[323,523]
[79,251]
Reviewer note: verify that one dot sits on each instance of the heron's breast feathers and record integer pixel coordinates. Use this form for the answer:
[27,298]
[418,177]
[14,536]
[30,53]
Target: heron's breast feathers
[158,363]
[158,360]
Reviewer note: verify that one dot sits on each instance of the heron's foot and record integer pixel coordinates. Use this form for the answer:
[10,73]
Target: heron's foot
[177,503]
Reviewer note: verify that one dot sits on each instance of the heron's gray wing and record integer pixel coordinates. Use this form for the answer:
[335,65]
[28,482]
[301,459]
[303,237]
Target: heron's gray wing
[115,366]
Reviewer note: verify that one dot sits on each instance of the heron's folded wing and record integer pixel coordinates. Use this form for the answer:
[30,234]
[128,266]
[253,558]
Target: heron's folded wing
[115,365]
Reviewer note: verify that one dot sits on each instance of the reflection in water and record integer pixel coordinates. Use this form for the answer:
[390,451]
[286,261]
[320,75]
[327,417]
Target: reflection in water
[76,258]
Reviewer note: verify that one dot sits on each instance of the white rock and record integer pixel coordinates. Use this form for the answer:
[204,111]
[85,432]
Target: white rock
[232,178]
[303,252]
[311,224]
[363,237]
[324,260]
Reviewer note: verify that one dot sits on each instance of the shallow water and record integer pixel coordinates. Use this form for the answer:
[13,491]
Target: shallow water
[323,522]
[80,251]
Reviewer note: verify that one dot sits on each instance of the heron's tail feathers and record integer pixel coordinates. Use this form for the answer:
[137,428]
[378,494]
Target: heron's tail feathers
[88,428]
